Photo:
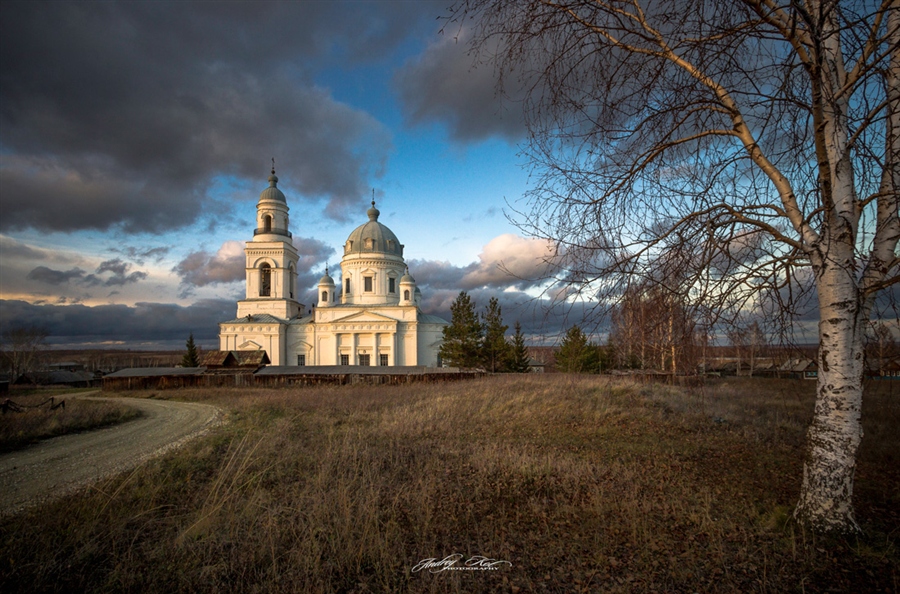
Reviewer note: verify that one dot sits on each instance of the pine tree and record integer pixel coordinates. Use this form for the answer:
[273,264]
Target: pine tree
[575,355]
[495,351]
[463,336]
[192,357]
[519,360]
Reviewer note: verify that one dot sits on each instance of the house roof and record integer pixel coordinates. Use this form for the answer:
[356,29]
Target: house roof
[156,371]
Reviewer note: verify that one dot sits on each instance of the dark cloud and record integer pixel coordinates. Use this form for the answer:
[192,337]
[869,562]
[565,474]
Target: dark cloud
[140,255]
[202,268]
[118,275]
[143,323]
[310,266]
[445,85]
[125,113]
[16,250]
[49,276]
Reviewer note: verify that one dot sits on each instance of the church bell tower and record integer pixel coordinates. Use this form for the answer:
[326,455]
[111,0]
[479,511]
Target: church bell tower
[271,259]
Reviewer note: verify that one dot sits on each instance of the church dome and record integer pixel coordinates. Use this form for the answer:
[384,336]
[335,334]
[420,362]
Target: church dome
[326,279]
[373,237]
[407,278]
[272,193]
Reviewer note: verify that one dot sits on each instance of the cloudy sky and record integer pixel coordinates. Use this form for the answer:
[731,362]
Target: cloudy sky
[135,139]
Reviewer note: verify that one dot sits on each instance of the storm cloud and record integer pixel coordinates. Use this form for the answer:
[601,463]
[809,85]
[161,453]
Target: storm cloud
[166,325]
[444,84]
[123,114]
[116,271]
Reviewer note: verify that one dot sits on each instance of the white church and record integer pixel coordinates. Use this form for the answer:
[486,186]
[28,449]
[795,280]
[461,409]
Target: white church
[371,317]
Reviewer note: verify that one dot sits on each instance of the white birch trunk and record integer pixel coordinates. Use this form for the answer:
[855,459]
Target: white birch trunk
[826,496]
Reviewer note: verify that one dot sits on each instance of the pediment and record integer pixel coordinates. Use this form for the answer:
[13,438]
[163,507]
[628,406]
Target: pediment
[363,317]
[249,346]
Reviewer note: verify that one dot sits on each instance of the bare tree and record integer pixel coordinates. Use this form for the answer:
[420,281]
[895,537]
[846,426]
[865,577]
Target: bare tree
[756,141]
[22,347]
[881,346]
[653,328]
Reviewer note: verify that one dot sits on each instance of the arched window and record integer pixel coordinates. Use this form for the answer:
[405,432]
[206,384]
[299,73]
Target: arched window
[265,280]
[292,279]
[406,295]
[347,286]
[324,296]
[267,223]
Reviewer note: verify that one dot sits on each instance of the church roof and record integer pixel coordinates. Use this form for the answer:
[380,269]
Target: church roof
[430,319]
[262,318]
[373,237]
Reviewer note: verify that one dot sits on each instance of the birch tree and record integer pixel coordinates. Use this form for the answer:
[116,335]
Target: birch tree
[755,141]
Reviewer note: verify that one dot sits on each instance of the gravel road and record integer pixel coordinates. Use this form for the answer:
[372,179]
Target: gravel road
[63,464]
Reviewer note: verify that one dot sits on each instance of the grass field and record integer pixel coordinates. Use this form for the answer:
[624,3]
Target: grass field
[582,484]
[38,421]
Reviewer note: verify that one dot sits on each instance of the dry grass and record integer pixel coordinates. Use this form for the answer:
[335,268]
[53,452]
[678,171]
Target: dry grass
[20,429]
[582,483]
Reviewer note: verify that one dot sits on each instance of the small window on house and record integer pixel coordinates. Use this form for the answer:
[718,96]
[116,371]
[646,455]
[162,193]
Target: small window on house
[265,280]
[301,360]
[392,285]
[406,295]
[324,296]
[364,360]
[367,284]
[345,359]
[383,360]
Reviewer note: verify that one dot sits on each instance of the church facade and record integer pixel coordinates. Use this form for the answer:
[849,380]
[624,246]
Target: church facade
[370,317]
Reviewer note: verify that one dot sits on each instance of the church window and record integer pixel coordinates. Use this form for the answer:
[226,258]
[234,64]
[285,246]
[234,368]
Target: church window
[345,359]
[349,245]
[265,280]
[392,288]
[390,245]
[383,360]
[364,360]
[267,223]
[370,243]
[301,360]
[367,284]
[347,286]
[324,296]
[292,277]
[406,294]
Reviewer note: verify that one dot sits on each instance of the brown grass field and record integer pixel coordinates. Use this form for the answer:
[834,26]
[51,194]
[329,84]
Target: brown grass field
[20,429]
[581,483]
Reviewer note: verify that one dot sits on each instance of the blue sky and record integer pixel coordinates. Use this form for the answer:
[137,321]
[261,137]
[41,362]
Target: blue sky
[135,139]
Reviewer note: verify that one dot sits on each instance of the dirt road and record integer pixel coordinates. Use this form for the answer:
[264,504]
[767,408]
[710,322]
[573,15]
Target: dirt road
[56,466]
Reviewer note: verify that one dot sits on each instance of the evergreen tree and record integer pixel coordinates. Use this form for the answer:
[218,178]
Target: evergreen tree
[192,357]
[463,336]
[495,351]
[519,358]
[575,355]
